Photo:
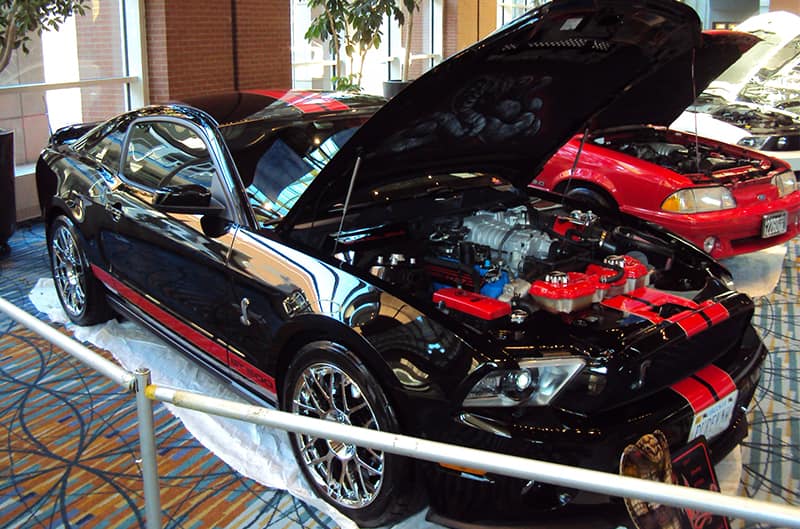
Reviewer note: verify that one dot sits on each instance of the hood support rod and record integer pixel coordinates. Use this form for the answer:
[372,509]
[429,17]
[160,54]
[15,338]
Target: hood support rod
[356,167]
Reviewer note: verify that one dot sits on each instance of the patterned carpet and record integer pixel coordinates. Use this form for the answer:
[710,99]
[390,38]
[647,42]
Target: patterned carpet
[771,453]
[68,440]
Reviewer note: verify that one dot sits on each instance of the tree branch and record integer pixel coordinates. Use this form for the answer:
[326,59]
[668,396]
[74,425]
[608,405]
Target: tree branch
[10,38]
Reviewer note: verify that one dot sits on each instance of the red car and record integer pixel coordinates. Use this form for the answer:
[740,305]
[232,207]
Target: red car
[726,199]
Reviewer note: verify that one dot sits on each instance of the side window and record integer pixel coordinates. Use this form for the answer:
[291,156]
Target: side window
[106,148]
[163,153]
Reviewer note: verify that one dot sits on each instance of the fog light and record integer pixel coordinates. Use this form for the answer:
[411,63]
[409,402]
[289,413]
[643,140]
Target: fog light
[709,244]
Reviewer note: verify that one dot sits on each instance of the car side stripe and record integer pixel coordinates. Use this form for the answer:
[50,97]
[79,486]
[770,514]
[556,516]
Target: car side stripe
[192,335]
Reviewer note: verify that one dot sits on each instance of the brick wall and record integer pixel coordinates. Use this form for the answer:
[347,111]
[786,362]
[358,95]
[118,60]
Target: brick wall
[450,29]
[99,38]
[190,46]
[157,56]
[793,6]
[264,43]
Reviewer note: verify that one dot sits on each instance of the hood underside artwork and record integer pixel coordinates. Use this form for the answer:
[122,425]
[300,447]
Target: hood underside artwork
[509,102]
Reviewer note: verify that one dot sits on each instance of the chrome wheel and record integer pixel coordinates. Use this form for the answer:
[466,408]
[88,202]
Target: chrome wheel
[350,475]
[68,270]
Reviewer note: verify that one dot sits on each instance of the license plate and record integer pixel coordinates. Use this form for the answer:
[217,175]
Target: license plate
[774,224]
[714,419]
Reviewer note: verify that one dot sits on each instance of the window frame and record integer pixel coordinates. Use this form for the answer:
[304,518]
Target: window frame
[219,190]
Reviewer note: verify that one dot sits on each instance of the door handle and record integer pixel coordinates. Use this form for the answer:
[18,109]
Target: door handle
[114,211]
[244,318]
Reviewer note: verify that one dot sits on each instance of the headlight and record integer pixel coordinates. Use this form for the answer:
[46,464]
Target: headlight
[535,383]
[754,142]
[786,183]
[699,200]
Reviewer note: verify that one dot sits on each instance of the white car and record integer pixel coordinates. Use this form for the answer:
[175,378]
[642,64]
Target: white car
[728,111]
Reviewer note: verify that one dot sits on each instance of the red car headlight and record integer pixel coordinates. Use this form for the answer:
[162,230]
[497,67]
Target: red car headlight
[786,183]
[699,200]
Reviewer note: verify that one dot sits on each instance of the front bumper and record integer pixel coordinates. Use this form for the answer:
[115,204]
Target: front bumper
[594,442]
[737,230]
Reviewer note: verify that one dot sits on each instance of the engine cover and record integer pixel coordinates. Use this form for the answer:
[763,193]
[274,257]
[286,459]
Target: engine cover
[509,233]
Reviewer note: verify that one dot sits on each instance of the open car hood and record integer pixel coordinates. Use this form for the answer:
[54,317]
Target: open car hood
[659,98]
[507,103]
[779,32]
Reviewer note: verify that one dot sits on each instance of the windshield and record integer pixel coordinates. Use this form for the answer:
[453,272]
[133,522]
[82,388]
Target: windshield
[277,166]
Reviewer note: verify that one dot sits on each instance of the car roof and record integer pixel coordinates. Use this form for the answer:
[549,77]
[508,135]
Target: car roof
[236,107]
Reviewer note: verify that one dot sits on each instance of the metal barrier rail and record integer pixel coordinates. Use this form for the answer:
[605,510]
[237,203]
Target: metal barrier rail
[130,382]
[590,480]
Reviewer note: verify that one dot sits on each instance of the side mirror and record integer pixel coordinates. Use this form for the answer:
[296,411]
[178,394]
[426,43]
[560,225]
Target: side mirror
[190,198]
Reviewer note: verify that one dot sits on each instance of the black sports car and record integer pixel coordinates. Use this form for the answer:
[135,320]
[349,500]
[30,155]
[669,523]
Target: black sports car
[385,264]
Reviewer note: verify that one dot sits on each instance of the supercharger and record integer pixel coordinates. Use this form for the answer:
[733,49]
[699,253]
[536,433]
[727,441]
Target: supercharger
[510,234]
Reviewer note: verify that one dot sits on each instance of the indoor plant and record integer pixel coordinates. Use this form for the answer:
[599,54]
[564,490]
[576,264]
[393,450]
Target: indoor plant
[19,19]
[354,25]
[405,19]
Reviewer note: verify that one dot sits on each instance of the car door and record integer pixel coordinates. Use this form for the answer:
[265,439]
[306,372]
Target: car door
[168,268]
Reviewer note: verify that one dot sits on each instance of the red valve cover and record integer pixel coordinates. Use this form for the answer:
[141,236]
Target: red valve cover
[471,303]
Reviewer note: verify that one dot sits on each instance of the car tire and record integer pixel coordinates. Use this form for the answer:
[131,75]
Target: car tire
[82,296]
[591,197]
[327,381]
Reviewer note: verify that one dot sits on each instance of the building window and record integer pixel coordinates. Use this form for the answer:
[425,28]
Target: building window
[88,70]
[508,10]
[313,64]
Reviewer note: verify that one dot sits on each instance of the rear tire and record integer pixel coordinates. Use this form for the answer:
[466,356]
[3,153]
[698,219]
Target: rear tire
[327,381]
[81,294]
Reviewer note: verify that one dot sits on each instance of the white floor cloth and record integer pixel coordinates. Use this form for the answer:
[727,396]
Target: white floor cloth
[264,454]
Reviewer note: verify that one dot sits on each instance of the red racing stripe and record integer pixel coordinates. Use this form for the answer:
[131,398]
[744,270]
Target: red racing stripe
[716,312]
[192,335]
[718,379]
[306,102]
[691,324]
[253,373]
[696,394]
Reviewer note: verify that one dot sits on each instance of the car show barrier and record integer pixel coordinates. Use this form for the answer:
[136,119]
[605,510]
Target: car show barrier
[523,468]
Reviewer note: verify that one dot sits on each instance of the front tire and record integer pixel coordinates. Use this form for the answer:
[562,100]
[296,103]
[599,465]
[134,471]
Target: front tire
[592,198]
[326,381]
[81,294]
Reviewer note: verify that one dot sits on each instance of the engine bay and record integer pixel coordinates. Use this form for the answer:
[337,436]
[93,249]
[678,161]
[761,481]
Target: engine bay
[681,154]
[753,119]
[500,266]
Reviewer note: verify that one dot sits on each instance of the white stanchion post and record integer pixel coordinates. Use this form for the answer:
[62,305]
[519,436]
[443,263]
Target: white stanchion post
[147,445]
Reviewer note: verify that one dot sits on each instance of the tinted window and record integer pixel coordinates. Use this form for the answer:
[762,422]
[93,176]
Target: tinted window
[167,154]
[105,146]
[282,174]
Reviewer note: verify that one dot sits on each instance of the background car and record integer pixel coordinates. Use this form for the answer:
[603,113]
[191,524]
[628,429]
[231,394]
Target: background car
[393,271]
[735,108]
[726,199]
